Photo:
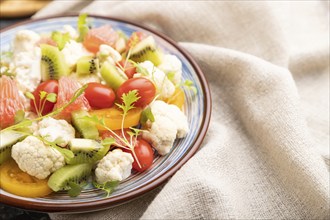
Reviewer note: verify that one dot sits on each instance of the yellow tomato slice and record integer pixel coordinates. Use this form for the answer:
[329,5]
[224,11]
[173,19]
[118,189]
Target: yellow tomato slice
[17,182]
[113,117]
[177,98]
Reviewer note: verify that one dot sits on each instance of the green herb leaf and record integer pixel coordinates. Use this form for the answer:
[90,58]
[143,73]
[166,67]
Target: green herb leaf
[60,39]
[29,95]
[82,27]
[108,187]
[147,115]
[25,123]
[128,101]
[94,119]
[67,154]
[51,97]
[108,141]
[134,131]
[19,116]
[75,189]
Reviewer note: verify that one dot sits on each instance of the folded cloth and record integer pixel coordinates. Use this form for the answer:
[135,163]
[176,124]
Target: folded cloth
[266,154]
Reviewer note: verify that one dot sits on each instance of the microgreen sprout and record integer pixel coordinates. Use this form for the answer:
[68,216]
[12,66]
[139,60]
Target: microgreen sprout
[43,97]
[108,187]
[128,103]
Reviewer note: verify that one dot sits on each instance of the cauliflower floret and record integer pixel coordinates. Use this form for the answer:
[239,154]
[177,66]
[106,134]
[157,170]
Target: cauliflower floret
[27,57]
[170,123]
[25,41]
[72,51]
[164,86]
[172,65]
[38,160]
[72,32]
[109,54]
[56,131]
[116,165]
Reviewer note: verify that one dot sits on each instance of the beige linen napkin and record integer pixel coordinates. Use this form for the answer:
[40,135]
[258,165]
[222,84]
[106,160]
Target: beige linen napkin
[266,154]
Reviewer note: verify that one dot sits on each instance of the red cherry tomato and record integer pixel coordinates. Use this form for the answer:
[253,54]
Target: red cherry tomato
[145,88]
[142,149]
[49,86]
[144,154]
[99,96]
[129,68]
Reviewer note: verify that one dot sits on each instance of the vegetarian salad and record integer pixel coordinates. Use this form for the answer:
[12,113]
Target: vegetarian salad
[86,105]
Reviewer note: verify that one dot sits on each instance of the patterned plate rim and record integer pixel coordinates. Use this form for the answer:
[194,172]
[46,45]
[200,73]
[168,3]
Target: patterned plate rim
[102,204]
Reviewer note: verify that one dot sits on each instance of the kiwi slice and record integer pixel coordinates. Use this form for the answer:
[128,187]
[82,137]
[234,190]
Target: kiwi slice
[62,177]
[146,50]
[7,140]
[112,75]
[86,151]
[87,65]
[53,65]
[87,129]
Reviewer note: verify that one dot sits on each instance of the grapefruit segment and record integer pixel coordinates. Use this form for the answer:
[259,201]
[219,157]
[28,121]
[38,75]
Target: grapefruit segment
[66,89]
[101,35]
[10,101]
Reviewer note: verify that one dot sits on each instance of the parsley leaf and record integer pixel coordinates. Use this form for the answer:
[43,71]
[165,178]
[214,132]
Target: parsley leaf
[128,101]
[108,187]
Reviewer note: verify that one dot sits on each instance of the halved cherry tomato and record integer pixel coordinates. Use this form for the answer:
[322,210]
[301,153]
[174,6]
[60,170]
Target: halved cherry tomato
[99,96]
[113,117]
[49,86]
[129,68]
[177,98]
[145,88]
[144,154]
[17,182]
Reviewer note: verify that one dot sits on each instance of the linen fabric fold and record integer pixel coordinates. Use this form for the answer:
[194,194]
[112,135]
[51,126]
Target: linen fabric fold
[266,154]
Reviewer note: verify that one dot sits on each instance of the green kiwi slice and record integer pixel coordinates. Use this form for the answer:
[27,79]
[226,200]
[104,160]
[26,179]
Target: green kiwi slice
[86,128]
[87,65]
[62,177]
[146,50]
[86,151]
[112,75]
[53,65]
[7,140]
